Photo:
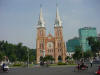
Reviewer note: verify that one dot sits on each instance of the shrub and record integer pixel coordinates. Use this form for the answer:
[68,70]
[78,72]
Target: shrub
[71,62]
[17,64]
[61,63]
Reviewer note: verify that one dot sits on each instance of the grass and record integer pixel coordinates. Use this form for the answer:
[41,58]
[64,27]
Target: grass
[53,65]
[21,65]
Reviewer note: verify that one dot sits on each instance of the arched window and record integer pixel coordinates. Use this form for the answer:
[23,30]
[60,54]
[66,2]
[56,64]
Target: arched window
[41,44]
[41,32]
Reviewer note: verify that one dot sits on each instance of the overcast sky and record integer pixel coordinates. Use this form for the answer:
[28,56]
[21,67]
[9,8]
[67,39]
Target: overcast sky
[18,18]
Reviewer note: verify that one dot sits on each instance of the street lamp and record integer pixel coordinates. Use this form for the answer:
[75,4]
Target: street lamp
[43,48]
[27,57]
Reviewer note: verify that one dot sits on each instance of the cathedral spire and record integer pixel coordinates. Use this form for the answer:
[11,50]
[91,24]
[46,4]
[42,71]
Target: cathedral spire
[58,21]
[41,22]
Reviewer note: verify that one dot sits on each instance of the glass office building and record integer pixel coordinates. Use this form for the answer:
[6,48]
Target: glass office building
[72,43]
[84,33]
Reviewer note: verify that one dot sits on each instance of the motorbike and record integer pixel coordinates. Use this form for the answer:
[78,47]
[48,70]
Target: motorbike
[81,68]
[98,71]
[5,68]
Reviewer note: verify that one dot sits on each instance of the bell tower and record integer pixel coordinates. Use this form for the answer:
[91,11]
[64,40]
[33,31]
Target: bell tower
[60,49]
[41,34]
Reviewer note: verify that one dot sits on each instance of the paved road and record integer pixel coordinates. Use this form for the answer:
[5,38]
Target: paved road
[49,71]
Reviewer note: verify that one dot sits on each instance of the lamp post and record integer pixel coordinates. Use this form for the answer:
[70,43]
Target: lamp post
[27,58]
[43,48]
[82,52]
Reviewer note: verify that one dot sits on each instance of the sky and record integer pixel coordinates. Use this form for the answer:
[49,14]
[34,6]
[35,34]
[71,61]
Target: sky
[18,18]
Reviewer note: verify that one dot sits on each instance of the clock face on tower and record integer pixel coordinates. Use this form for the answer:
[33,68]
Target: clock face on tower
[49,45]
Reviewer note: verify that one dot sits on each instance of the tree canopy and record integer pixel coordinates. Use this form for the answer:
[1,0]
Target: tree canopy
[94,43]
[78,53]
[16,52]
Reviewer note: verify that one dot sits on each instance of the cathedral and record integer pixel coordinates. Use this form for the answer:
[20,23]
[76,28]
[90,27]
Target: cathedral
[49,44]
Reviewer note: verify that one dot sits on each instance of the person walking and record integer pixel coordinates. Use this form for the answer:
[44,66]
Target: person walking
[91,62]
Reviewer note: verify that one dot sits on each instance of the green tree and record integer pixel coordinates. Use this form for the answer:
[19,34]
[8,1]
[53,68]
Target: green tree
[16,52]
[88,54]
[1,55]
[94,43]
[78,53]
[68,58]
[42,59]
[32,55]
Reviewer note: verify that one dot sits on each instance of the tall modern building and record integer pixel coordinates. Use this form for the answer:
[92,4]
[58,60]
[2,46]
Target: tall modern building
[84,33]
[49,44]
[72,44]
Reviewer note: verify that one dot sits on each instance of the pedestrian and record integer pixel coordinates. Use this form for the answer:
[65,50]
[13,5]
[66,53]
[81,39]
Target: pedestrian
[78,67]
[91,62]
[3,66]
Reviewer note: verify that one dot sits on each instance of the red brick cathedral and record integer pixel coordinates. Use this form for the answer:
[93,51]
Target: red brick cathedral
[49,44]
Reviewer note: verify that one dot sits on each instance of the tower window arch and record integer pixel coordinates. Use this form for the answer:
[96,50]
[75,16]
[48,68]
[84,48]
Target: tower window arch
[41,33]
[41,44]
